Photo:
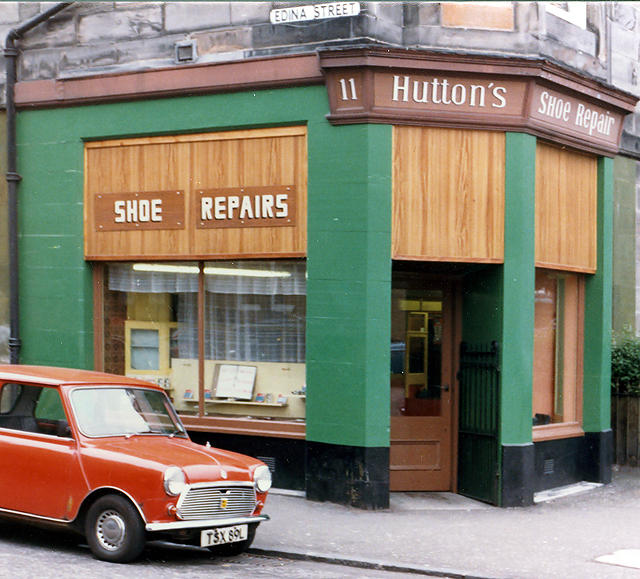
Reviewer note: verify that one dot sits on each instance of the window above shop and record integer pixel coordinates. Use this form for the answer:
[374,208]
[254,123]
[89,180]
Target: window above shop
[573,12]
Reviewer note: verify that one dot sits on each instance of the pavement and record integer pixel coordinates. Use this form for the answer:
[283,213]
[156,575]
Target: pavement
[584,532]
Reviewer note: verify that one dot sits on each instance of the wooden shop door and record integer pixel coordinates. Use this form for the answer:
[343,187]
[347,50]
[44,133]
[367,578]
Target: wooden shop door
[422,394]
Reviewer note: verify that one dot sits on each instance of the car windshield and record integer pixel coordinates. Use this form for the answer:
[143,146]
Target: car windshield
[121,411]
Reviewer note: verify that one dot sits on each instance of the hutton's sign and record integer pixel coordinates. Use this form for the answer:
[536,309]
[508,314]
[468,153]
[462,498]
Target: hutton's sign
[468,91]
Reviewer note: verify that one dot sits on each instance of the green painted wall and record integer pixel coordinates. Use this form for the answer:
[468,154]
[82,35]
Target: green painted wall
[624,244]
[598,305]
[55,283]
[349,241]
[518,290]
[349,286]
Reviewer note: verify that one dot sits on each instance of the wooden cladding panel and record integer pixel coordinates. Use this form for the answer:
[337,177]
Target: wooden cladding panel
[187,164]
[448,195]
[566,209]
[265,162]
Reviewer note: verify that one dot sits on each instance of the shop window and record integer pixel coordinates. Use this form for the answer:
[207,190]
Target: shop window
[223,338]
[558,344]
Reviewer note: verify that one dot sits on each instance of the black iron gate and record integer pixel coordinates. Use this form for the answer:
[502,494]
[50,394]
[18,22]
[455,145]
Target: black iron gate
[478,445]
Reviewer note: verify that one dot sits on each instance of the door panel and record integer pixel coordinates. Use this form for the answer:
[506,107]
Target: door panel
[41,473]
[36,473]
[421,390]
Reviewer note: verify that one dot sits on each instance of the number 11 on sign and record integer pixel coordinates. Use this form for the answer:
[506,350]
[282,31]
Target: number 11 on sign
[348,86]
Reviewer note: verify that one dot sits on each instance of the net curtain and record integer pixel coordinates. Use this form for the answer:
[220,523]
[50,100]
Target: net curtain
[254,310]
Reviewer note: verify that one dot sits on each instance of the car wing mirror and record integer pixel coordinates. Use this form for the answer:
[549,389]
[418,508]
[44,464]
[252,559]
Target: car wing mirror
[63,430]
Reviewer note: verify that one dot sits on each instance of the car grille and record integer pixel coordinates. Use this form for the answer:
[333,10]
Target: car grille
[217,503]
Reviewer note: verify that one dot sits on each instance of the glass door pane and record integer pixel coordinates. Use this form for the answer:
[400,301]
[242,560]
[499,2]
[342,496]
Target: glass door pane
[416,380]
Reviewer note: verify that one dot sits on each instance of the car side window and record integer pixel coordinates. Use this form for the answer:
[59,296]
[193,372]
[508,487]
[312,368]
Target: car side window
[49,406]
[31,408]
[9,395]
[49,414]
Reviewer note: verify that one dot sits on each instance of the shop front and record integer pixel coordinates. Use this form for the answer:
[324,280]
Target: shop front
[376,270]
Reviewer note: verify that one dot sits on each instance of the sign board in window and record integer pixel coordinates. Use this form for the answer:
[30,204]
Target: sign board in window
[234,381]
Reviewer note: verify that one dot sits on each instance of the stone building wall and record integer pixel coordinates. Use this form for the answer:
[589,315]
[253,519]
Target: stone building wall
[97,37]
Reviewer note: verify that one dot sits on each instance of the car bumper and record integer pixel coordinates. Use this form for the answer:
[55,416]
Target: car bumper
[206,524]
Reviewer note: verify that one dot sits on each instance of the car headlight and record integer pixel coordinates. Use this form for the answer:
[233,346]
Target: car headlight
[262,478]
[174,481]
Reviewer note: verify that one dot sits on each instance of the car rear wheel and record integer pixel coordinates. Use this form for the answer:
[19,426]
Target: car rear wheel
[236,548]
[114,530]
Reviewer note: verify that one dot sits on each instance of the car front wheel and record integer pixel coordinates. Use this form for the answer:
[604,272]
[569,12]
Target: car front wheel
[114,530]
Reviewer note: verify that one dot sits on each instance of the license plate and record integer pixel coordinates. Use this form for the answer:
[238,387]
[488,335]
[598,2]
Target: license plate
[222,536]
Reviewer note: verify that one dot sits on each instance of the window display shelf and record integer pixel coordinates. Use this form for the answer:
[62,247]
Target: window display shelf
[246,403]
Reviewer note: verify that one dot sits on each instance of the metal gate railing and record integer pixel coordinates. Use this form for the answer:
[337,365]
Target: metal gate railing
[478,447]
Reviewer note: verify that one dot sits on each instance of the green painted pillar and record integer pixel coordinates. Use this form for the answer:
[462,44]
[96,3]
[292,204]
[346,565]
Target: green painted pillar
[597,338]
[348,314]
[516,398]
[624,244]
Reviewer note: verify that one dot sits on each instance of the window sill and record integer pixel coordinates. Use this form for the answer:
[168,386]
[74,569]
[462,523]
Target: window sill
[246,426]
[557,431]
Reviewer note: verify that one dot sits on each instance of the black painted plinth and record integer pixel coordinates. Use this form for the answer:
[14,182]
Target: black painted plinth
[568,461]
[348,475]
[531,468]
[599,456]
[518,462]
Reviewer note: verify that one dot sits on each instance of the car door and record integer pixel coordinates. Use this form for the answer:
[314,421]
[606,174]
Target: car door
[40,472]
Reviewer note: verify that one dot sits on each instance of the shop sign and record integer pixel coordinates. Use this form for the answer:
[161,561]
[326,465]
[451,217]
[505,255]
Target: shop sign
[471,92]
[314,12]
[565,113]
[454,93]
[139,211]
[214,208]
[245,207]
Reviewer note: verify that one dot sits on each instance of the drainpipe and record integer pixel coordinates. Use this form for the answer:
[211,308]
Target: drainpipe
[13,178]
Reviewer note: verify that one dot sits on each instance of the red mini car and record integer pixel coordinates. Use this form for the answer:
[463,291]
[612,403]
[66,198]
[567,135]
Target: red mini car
[107,456]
